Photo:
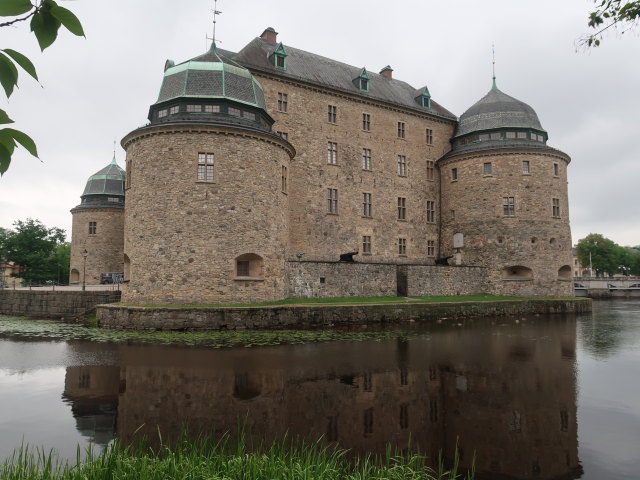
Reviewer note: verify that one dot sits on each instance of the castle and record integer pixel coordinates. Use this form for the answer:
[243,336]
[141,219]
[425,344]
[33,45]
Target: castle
[259,168]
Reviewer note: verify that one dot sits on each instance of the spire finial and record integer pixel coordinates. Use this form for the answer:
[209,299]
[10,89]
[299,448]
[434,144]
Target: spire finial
[113,160]
[493,55]
[216,12]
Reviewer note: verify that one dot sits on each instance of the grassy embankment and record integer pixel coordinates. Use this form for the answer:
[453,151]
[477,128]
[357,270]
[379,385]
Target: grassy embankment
[207,459]
[304,302]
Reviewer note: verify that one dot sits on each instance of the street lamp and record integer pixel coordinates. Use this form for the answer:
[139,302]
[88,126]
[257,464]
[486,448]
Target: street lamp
[84,267]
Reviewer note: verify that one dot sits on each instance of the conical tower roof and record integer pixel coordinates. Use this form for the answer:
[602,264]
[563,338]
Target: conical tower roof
[497,110]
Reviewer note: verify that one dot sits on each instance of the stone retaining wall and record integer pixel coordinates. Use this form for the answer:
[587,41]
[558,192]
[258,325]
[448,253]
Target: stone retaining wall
[53,304]
[153,318]
[319,279]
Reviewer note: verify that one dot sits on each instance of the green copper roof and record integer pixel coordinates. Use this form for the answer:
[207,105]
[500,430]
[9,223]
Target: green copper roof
[211,76]
[107,181]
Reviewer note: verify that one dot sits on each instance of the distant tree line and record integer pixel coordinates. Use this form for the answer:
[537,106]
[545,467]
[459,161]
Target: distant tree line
[607,257]
[41,252]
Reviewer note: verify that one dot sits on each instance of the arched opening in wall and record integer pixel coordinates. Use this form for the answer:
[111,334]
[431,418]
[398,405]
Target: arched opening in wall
[249,265]
[552,242]
[74,276]
[127,268]
[517,272]
[564,273]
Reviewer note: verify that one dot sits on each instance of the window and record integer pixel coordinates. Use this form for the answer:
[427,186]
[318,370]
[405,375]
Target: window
[429,136]
[556,207]
[234,111]
[280,57]
[366,244]
[487,168]
[452,214]
[366,205]
[332,114]
[454,174]
[242,268]
[401,130]
[93,227]
[205,167]
[332,200]
[402,208]
[366,122]
[556,169]
[283,100]
[249,115]
[495,136]
[366,159]
[332,153]
[402,165]
[431,248]
[362,81]
[212,108]
[283,135]
[509,206]
[128,177]
[431,211]
[194,108]
[521,134]
[510,135]
[525,167]
[430,170]
[285,179]
[162,113]
[402,246]
[174,109]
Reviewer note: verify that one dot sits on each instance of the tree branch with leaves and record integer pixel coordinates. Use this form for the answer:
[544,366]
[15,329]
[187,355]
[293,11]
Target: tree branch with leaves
[46,19]
[608,14]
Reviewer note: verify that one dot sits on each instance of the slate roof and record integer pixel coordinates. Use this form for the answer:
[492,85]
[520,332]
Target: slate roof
[318,70]
[211,75]
[107,181]
[497,110]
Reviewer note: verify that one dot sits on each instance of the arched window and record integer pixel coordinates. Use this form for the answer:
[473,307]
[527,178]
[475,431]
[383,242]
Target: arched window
[564,273]
[517,272]
[249,265]
[74,276]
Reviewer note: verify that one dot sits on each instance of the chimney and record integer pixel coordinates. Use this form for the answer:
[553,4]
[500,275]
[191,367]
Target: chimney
[270,36]
[387,72]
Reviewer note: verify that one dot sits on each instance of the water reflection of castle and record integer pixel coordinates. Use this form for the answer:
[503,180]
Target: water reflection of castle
[506,393]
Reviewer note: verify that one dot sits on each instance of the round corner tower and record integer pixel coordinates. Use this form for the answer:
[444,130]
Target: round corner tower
[207,191]
[98,227]
[505,191]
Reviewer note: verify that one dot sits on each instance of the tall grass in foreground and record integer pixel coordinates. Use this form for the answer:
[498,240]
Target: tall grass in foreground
[205,458]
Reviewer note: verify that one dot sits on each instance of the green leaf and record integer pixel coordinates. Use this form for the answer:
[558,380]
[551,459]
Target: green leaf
[4,118]
[5,159]
[8,74]
[23,139]
[7,141]
[45,28]
[11,8]
[23,61]
[68,19]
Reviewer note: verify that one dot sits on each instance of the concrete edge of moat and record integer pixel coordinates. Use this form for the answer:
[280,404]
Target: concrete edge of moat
[322,316]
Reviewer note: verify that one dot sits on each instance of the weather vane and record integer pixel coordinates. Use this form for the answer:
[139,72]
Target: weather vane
[216,12]
[493,55]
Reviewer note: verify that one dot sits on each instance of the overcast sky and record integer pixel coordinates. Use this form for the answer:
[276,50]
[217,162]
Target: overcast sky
[96,90]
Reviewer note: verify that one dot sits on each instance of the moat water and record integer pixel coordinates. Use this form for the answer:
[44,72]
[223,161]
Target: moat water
[536,397]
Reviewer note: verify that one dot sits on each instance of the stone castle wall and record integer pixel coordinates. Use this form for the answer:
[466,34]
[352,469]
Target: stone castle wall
[321,235]
[183,236]
[52,304]
[105,247]
[532,238]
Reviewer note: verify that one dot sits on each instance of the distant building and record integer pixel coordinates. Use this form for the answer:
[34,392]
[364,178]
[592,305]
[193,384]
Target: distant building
[259,168]
[7,270]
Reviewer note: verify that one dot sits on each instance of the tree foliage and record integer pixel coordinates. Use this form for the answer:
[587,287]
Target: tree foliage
[46,19]
[611,13]
[606,256]
[42,252]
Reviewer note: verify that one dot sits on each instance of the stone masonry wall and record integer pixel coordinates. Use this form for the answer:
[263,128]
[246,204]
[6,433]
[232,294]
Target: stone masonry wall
[321,235]
[183,235]
[343,279]
[53,304]
[105,248]
[533,240]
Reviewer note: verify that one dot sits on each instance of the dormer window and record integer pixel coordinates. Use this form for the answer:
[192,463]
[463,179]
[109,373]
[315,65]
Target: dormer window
[279,57]
[424,99]
[362,81]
